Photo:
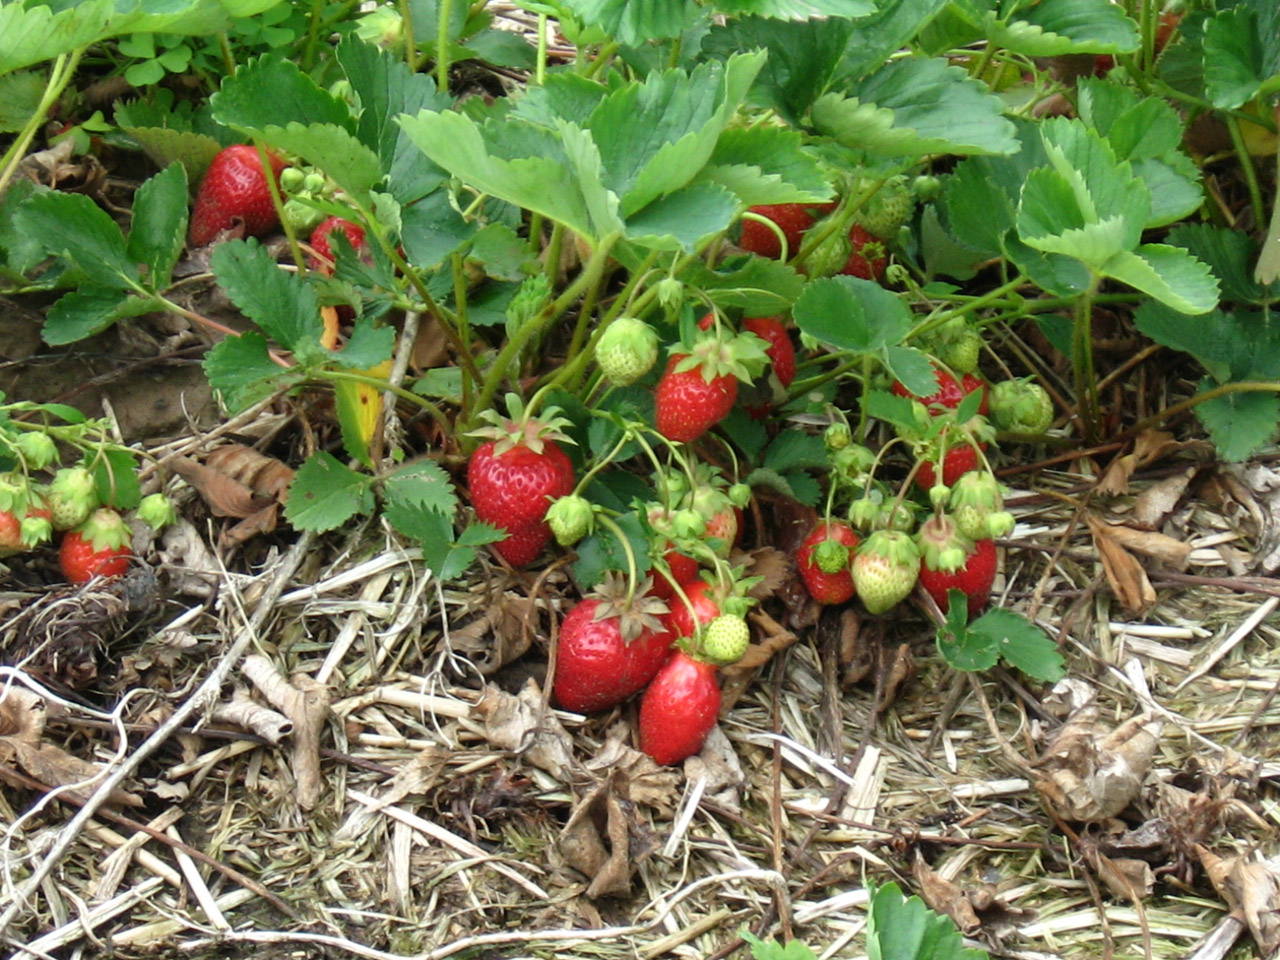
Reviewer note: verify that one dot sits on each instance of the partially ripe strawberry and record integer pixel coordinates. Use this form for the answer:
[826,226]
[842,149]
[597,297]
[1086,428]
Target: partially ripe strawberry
[961,353]
[975,496]
[679,709]
[781,351]
[867,256]
[97,548]
[627,350]
[956,462]
[826,574]
[234,190]
[793,218]
[885,569]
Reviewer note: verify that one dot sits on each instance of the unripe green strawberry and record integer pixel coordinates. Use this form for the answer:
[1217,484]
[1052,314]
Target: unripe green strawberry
[942,545]
[837,436]
[864,513]
[1021,407]
[962,353]
[1000,524]
[885,569]
[157,511]
[15,493]
[830,256]
[939,494]
[37,449]
[975,496]
[725,639]
[35,529]
[71,497]
[887,210]
[570,518]
[627,350]
[740,495]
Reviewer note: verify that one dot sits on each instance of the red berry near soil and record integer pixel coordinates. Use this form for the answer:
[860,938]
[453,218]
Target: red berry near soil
[957,461]
[973,579]
[514,477]
[684,622]
[320,240]
[793,218]
[97,548]
[679,708]
[604,655]
[867,255]
[10,534]
[827,587]
[687,405]
[950,391]
[234,189]
[781,351]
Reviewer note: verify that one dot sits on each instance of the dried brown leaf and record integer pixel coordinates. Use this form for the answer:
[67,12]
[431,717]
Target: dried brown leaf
[54,767]
[225,495]
[1251,887]
[1128,580]
[597,839]
[265,476]
[1170,551]
[1125,878]
[770,564]
[943,896]
[1159,500]
[1090,772]
[524,726]
[263,521]
[647,782]
[502,633]
[22,715]
[1148,447]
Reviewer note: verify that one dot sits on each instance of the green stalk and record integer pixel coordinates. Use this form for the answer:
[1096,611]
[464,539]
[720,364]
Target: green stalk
[619,302]
[1086,383]
[607,522]
[540,71]
[64,67]
[410,41]
[442,44]
[586,280]
[1246,164]
[1221,390]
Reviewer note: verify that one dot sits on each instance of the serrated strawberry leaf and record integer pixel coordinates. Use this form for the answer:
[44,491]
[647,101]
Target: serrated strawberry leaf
[1019,642]
[914,107]
[370,344]
[158,230]
[1242,53]
[634,22]
[961,648]
[80,314]
[115,475]
[852,314]
[326,493]
[281,303]
[1170,274]
[270,91]
[1239,424]
[1054,28]
[772,950]
[766,164]
[794,449]
[75,228]
[242,371]
[756,286]
[913,368]
[900,412]
[904,928]
[1230,255]
[683,219]
[421,485]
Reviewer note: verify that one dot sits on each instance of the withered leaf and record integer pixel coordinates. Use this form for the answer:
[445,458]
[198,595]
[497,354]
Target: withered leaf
[1127,578]
[1148,447]
[502,633]
[1170,551]
[524,726]
[647,782]
[225,495]
[54,767]
[1251,887]
[943,896]
[1158,500]
[265,476]
[597,839]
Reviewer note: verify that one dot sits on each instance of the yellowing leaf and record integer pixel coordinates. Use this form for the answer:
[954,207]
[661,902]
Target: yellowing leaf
[360,411]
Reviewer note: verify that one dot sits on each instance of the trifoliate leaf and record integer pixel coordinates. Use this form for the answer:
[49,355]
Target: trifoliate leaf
[326,493]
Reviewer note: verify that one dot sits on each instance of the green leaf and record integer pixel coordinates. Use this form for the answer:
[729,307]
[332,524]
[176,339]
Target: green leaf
[1233,57]
[902,928]
[1239,424]
[1169,274]
[892,27]
[30,34]
[683,219]
[756,286]
[431,229]
[1174,186]
[281,303]
[979,211]
[1020,643]
[1055,28]
[766,165]
[1136,128]
[159,227]
[852,314]
[804,57]
[421,485]
[164,145]
[1230,254]
[20,95]
[326,493]
[914,107]
[913,368]
[270,91]
[370,344]
[115,475]
[633,22]
[796,9]
[75,228]
[80,314]
[772,950]
[794,449]
[242,371]
[899,412]
[602,551]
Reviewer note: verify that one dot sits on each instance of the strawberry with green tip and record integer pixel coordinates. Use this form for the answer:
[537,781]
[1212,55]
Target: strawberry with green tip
[571,518]
[627,350]
[679,709]
[885,569]
[972,572]
[824,562]
[962,353]
[514,476]
[97,548]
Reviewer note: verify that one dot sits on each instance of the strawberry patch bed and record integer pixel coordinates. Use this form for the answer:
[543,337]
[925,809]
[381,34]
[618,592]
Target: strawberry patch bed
[609,479]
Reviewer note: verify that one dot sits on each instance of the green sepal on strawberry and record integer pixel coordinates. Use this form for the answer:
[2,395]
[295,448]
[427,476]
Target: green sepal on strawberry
[609,647]
[885,569]
[234,191]
[571,518]
[97,548]
[514,476]
[72,495]
[699,388]
[679,709]
[867,257]
[824,559]
[975,496]
[1021,407]
[973,577]
[627,350]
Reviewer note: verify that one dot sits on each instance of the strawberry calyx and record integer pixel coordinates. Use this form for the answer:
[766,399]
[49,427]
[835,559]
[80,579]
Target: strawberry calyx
[105,530]
[831,556]
[942,546]
[636,610]
[742,356]
[522,429]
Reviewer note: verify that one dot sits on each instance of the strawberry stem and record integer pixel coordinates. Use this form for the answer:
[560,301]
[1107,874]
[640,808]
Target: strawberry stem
[608,523]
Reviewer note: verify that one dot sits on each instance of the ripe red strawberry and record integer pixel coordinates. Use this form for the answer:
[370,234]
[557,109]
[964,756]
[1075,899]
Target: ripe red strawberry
[607,651]
[973,578]
[97,548]
[683,621]
[950,391]
[234,190]
[831,580]
[867,255]
[514,477]
[956,462]
[320,241]
[684,570]
[10,534]
[781,351]
[687,405]
[678,709]
[793,218]
[885,569]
